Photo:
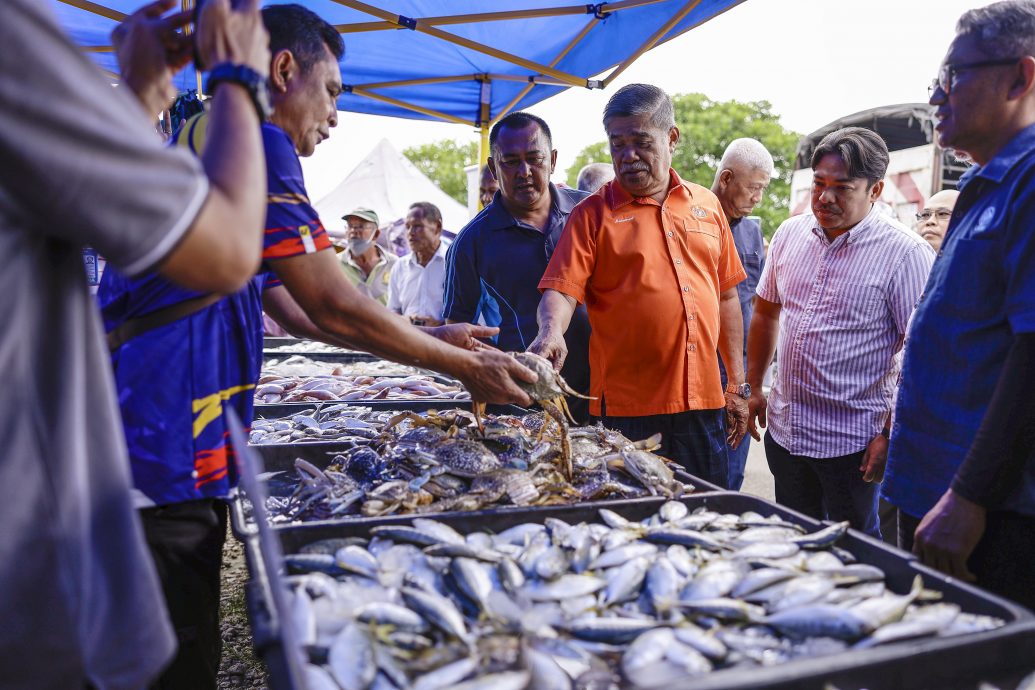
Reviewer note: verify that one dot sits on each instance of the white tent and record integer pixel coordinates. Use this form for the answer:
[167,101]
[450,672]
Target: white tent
[388,182]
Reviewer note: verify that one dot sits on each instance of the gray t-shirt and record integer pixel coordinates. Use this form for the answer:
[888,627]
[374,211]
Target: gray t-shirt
[79,165]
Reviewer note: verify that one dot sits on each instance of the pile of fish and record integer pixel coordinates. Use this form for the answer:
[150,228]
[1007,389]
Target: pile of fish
[297,365]
[310,346]
[441,461]
[616,603]
[337,385]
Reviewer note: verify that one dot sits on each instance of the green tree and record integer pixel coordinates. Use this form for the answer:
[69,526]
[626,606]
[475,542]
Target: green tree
[594,153]
[444,162]
[706,127]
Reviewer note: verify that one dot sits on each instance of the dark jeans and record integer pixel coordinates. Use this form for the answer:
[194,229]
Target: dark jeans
[696,439]
[186,541]
[738,461]
[824,488]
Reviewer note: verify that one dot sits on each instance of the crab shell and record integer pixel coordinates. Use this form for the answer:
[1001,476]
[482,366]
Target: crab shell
[550,384]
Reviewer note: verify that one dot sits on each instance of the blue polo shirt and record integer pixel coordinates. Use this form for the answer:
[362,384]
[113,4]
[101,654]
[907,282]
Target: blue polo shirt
[981,292]
[493,269]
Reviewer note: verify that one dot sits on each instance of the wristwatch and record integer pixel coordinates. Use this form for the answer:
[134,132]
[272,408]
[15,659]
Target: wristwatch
[257,85]
[743,390]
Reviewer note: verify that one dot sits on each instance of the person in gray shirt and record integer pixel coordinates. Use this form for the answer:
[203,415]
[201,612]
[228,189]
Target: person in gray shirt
[81,606]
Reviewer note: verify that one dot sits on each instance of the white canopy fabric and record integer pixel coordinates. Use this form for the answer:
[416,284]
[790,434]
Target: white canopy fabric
[387,182]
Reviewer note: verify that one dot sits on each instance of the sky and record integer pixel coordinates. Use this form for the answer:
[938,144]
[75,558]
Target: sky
[813,60]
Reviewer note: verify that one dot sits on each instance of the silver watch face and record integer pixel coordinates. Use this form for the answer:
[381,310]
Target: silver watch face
[745,390]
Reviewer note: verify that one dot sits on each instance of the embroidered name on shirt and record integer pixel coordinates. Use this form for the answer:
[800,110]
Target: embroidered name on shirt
[623,220]
[307,239]
[699,212]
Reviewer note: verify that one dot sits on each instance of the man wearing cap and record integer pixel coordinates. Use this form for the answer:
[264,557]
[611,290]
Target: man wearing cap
[366,264]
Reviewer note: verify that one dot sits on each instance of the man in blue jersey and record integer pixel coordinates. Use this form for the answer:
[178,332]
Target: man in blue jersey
[180,357]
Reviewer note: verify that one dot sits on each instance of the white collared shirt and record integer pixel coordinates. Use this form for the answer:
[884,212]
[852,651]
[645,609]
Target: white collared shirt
[415,290]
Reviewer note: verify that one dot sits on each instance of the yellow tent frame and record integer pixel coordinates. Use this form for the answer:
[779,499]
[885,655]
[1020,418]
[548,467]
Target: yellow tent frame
[540,73]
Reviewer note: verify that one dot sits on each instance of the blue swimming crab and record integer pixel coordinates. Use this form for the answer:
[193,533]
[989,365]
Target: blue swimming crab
[549,391]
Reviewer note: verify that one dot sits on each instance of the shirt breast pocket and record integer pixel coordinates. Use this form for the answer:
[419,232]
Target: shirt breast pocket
[854,306]
[702,234]
[972,285]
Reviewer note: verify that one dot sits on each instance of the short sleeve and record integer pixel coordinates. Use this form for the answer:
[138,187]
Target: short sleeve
[293,226]
[730,270]
[463,290]
[394,283]
[574,258]
[907,284]
[80,156]
[767,287]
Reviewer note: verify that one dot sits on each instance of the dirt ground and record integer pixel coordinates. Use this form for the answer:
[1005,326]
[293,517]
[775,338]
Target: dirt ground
[239,668]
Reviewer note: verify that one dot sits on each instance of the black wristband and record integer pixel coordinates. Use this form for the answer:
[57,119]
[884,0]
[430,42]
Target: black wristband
[257,85]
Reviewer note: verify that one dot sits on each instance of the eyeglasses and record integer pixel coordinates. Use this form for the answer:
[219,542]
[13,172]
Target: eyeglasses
[940,214]
[947,75]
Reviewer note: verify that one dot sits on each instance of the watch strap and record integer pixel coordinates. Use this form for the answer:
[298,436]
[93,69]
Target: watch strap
[257,85]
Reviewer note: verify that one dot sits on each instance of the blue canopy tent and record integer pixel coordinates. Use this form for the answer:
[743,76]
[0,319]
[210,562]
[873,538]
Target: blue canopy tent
[463,64]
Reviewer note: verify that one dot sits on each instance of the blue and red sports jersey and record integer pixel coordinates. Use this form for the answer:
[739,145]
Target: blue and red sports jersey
[175,381]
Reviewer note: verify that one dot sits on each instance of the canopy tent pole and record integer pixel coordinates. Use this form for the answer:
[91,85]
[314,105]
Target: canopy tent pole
[484,120]
[446,20]
[560,56]
[359,91]
[417,82]
[653,40]
[417,25]
[93,7]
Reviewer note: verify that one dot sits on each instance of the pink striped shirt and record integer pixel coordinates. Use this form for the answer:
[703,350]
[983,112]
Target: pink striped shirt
[845,306]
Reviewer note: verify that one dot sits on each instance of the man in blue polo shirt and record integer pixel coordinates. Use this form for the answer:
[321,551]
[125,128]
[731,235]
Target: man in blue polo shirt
[740,181]
[961,462]
[494,265]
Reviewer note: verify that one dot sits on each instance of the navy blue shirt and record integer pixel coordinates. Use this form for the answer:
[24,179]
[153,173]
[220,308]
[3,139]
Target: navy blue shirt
[981,292]
[493,269]
[747,236]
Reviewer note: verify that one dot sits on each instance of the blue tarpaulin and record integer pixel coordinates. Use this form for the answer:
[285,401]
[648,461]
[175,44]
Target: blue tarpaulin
[464,61]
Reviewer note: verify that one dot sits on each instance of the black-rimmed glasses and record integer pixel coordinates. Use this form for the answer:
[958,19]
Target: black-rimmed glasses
[947,74]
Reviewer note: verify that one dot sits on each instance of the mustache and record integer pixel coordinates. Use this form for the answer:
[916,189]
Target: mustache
[636,167]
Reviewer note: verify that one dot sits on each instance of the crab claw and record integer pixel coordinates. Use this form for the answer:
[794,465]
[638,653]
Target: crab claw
[478,408]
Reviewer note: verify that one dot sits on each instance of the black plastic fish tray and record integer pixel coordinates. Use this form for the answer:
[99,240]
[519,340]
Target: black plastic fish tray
[276,341]
[999,656]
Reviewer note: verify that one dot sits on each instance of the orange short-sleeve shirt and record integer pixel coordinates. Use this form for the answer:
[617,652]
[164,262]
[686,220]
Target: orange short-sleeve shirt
[650,276]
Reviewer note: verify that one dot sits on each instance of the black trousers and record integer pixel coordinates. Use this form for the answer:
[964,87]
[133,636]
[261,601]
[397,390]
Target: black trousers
[186,541]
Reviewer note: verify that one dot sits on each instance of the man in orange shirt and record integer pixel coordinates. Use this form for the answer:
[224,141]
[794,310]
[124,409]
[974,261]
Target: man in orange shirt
[652,257]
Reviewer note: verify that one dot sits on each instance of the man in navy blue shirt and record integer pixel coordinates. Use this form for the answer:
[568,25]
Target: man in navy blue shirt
[740,182]
[494,265]
[961,459]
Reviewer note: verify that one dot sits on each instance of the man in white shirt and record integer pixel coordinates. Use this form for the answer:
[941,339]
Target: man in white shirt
[418,279]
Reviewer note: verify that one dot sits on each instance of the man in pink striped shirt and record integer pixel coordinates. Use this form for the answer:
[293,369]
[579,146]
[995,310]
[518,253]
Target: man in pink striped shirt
[834,299]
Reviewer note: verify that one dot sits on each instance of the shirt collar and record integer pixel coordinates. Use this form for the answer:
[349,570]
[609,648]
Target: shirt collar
[999,167]
[382,256]
[617,197]
[852,234]
[497,217]
[440,253]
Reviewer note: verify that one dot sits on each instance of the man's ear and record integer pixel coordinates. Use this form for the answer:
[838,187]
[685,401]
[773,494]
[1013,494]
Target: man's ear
[673,138]
[491,165]
[553,161]
[283,69]
[725,176]
[878,188]
[1024,80]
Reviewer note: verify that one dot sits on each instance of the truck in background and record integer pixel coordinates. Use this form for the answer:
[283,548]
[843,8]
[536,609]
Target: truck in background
[918,166]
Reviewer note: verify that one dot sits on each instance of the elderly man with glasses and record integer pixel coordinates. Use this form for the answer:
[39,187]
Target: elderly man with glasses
[961,467]
[933,221]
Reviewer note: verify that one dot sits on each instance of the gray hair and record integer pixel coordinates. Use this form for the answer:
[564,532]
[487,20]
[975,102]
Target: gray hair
[1003,29]
[748,152]
[594,176]
[637,100]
